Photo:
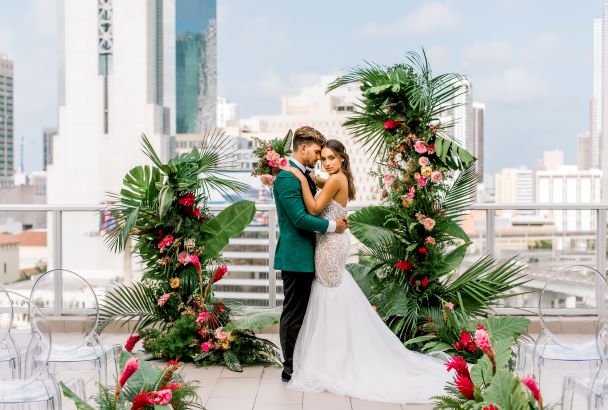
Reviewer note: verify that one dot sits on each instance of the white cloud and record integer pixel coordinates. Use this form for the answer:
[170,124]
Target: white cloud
[512,86]
[431,18]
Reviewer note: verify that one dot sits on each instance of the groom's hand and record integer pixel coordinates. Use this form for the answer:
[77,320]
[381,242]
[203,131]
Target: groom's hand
[341,225]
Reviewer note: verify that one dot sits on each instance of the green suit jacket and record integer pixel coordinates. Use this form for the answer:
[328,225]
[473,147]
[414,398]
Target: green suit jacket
[296,246]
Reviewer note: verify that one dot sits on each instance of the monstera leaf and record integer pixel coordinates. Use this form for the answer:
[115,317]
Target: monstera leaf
[227,224]
[369,225]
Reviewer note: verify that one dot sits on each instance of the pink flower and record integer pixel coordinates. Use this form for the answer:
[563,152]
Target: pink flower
[389,179]
[459,364]
[423,161]
[375,308]
[131,341]
[429,240]
[272,156]
[220,334]
[483,341]
[183,258]
[175,386]
[422,181]
[431,149]
[480,326]
[530,383]
[202,317]
[267,179]
[273,163]
[436,177]
[161,396]
[283,163]
[162,300]
[164,260]
[206,346]
[384,193]
[391,124]
[131,367]
[420,147]
[429,223]
[194,260]
[166,241]
[449,306]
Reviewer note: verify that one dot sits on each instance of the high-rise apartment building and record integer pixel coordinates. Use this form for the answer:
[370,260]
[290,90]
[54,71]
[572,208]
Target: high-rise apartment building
[7,166]
[479,112]
[196,65]
[583,151]
[514,186]
[48,134]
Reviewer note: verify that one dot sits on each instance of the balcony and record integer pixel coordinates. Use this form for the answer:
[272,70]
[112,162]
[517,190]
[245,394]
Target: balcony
[542,235]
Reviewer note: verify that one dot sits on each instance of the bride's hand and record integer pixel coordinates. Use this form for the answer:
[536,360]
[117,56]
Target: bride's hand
[296,171]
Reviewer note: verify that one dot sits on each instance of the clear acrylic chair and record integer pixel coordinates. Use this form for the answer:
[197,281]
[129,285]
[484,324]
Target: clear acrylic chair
[594,389]
[81,311]
[550,347]
[34,385]
[8,350]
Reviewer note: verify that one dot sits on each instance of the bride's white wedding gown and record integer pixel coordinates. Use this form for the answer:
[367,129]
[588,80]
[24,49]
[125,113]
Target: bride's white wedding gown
[345,348]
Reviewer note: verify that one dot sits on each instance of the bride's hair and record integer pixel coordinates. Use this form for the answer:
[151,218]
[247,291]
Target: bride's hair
[338,148]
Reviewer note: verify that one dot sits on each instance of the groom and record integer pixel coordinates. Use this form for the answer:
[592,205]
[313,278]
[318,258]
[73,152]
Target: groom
[295,249]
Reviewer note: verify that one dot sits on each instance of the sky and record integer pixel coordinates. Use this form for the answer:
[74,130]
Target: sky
[529,60]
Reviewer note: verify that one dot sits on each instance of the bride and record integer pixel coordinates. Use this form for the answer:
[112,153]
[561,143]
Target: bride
[344,347]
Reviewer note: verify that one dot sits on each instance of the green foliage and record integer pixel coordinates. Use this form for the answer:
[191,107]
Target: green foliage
[413,244]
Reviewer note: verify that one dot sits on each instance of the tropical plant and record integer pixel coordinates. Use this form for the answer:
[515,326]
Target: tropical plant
[142,386]
[489,384]
[413,243]
[272,157]
[163,209]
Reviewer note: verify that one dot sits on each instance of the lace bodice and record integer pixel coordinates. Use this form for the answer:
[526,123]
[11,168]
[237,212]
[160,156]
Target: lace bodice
[332,249]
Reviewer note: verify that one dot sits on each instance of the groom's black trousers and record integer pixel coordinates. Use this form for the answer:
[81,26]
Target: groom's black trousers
[296,288]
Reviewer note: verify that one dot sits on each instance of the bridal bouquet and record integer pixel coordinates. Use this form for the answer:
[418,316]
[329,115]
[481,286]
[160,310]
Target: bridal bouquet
[272,157]
[163,210]
[142,386]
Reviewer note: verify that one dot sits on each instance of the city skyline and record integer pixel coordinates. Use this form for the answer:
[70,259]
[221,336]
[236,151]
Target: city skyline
[267,52]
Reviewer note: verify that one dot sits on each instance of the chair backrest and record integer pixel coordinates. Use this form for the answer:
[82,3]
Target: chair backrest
[78,300]
[6,315]
[594,290]
[31,333]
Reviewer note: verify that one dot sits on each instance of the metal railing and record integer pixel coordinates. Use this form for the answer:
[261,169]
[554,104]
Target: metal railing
[57,212]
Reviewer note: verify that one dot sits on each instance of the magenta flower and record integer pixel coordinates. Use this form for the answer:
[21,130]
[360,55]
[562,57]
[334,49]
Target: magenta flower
[183,257]
[161,397]
[194,260]
[202,317]
[131,367]
[420,147]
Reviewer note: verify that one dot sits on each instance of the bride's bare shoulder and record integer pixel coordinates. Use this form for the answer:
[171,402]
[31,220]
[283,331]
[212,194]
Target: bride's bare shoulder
[339,178]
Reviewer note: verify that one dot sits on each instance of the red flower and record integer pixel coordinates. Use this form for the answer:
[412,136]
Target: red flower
[530,383]
[173,362]
[220,308]
[459,364]
[131,343]
[141,401]
[219,273]
[480,326]
[131,366]
[465,338]
[431,148]
[471,347]
[458,345]
[490,407]
[465,386]
[166,241]
[391,124]
[175,386]
[194,260]
[422,250]
[424,282]
[404,265]
[196,213]
[187,200]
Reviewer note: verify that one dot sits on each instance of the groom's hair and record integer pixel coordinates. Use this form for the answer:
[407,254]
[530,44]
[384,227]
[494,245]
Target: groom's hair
[307,135]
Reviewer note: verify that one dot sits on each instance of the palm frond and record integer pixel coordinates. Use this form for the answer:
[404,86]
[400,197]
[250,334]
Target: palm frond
[461,194]
[135,301]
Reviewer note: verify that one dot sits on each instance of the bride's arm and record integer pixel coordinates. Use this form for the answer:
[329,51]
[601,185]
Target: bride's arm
[315,206]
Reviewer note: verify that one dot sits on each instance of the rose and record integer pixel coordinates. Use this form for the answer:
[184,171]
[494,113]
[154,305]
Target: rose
[274,163]
[426,171]
[422,181]
[174,283]
[220,334]
[267,179]
[392,124]
[131,341]
[404,265]
[420,147]
[202,317]
[183,258]
[429,223]
[389,179]
[407,202]
[423,161]
[283,163]
[272,156]
[436,177]
[226,344]
[206,346]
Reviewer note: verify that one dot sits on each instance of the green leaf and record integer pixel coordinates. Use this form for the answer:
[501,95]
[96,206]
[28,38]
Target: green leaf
[287,141]
[227,224]
[80,404]
[453,259]
[165,199]
[506,392]
[481,373]
[255,320]
[419,339]
[232,362]
[455,230]
[506,327]
[134,301]
[162,407]
[369,225]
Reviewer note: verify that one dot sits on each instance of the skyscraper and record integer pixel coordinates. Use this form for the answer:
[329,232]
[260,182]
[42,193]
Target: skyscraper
[196,65]
[117,81]
[596,96]
[6,122]
[604,103]
[479,112]
[48,134]
[583,151]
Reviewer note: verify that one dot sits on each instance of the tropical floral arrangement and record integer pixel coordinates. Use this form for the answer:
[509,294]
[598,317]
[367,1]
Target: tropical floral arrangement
[163,209]
[272,157]
[489,384]
[413,243]
[142,386]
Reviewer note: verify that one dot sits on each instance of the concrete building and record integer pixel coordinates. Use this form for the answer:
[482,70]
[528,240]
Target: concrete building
[9,259]
[583,151]
[226,112]
[596,96]
[326,113]
[48,134]
[514,185]
[7,165]
[479,113]
[553,159]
